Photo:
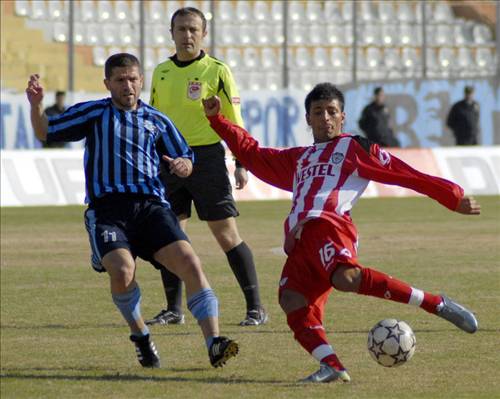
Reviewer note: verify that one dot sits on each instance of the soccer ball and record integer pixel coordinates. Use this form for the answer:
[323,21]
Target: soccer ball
[391,342]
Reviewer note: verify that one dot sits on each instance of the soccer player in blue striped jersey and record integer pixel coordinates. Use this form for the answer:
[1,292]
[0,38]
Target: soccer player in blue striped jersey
[128,215]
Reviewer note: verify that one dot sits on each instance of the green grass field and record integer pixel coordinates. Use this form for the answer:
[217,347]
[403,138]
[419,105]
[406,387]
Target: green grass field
[61,336]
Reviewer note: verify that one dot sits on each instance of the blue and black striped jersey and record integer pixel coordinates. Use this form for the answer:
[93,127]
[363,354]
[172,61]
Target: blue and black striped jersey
[123,148]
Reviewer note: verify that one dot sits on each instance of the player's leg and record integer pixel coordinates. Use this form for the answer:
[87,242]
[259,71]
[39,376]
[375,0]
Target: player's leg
[305,319]
[120,266]
[304,289]
[241,261]
[162,239]
[126,295]
[367,281]
[201,300]
[111,253]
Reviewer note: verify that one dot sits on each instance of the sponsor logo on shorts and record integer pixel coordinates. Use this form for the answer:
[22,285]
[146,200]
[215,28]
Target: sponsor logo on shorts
[194,90]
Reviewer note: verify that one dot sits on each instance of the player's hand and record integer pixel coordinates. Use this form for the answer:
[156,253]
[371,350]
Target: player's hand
[241,177]
[181,167]
[468,206]
[34,91]
[211,105]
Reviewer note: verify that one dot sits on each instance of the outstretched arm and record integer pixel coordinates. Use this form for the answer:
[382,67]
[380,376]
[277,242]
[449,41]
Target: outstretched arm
[274,166]
[378,165]
[39,120]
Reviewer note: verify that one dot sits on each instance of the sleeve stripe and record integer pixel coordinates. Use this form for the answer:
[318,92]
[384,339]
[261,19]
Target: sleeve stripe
[77,110]
[58,125]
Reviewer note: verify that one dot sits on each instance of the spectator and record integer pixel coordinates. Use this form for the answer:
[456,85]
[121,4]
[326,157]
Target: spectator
[57,108]
[374,121]
[463,119]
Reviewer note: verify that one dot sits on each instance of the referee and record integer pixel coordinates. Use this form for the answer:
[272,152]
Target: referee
[128,215]
[178,85]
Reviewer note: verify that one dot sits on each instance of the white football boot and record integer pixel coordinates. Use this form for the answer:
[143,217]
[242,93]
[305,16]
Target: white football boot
[457,314]
[327,373]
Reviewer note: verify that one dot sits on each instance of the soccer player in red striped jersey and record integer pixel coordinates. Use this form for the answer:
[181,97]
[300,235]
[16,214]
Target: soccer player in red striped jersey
[327,178]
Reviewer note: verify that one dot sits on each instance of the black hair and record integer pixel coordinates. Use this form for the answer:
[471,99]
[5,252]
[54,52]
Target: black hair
[377,91]
[324,91]
[468,90]
[120,60]
[60,93]
[181,12]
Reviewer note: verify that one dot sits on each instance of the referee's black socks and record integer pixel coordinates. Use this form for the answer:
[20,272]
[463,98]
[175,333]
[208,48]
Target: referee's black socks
[173,290]
[240,259]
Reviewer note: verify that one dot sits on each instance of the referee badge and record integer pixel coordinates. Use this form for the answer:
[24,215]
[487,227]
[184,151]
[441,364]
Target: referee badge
[194,90]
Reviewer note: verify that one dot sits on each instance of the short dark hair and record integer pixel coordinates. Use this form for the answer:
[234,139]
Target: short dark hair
[181,12]
[377,90]
[60,93]
[324,91]
[468,90]
[120,60]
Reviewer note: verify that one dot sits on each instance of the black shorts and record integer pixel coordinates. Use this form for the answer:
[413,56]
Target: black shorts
[141,224]
[208,186]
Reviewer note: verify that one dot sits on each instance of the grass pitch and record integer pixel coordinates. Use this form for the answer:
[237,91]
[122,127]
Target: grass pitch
[61,336]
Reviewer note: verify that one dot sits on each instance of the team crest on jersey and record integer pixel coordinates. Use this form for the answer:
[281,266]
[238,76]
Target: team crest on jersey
[337,157]
[194,90]
[149,127]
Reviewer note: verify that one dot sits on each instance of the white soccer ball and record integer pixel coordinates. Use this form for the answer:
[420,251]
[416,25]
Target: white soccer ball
[391,342]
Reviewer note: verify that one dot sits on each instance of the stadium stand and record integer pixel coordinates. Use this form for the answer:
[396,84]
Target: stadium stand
[250,36]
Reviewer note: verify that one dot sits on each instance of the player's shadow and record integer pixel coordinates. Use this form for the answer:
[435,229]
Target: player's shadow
[45,374]
[60,326]
[170,331]
[228,328]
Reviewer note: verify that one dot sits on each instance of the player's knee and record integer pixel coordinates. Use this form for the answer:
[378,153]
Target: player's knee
[189,266]
[346,278]
[121,274]
[290,301]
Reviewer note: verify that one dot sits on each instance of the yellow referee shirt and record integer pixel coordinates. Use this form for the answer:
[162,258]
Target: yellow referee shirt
[177,89]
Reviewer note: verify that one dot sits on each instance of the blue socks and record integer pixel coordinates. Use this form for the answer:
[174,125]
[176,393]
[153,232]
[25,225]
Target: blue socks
[129,304]
[202,305]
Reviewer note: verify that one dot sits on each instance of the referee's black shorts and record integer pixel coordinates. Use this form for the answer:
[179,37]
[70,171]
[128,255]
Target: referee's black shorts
[142,224]
[208,187]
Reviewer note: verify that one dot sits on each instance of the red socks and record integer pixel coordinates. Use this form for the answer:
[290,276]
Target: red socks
[309,332]
[307,324]
[380,285]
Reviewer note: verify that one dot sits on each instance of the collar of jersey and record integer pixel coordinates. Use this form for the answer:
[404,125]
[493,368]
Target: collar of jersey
[140,105]
[183,64]
[323,145]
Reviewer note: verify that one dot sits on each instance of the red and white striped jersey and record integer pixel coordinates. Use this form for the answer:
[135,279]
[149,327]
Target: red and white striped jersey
[328,178]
